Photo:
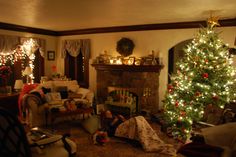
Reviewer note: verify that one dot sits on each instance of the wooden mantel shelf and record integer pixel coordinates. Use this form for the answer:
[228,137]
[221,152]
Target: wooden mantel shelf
[130,68]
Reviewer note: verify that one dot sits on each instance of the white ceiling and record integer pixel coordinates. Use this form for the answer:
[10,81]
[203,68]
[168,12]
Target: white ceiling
[61,15]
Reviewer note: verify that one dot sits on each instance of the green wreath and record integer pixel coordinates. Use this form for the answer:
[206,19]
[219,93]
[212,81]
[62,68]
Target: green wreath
[125,47]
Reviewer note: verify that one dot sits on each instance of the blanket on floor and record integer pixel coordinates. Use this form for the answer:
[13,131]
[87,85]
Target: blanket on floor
[138,128]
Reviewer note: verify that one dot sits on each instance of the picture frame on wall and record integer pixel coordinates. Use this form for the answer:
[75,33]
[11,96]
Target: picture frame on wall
[51,55]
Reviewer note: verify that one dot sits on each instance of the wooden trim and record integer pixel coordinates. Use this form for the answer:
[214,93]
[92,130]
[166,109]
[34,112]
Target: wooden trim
[20,28]
[145,27]
[130,68]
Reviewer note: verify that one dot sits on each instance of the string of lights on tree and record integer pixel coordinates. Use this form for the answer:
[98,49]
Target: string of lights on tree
[23,51]
[204,77]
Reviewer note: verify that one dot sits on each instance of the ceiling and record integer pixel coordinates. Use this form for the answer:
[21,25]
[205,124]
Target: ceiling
[61,15]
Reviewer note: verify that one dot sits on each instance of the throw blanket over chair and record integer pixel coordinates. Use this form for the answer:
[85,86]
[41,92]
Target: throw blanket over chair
[14,141]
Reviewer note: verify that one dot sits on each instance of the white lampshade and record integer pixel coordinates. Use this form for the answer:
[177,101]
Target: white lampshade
[27,71]
[18,85]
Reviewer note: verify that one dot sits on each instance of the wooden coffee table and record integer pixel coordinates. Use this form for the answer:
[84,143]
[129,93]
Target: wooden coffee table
[52,116]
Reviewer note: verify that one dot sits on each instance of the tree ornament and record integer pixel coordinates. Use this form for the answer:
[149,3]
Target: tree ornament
[176,103]
[205,75]
[170,88]
[182,113]
[213,21]
[215,97]
[197,94]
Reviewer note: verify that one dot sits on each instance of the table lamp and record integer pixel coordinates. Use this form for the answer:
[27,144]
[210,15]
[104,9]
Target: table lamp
[18,85]
[27,72]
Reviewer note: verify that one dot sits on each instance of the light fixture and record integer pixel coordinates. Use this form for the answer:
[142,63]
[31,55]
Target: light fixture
[18,85]
[27,72]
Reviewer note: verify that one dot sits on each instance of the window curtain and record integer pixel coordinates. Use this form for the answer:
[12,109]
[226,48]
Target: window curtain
[73,47]
[39,45]
[8,44]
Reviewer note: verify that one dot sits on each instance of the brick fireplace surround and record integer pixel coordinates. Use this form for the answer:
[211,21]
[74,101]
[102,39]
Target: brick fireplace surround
[142,80]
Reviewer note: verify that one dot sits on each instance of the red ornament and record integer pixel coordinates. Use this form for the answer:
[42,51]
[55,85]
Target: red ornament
[182,113]
[170,88]
[176,103]
[215,97]
[197,94]
[206,61]
[205,75]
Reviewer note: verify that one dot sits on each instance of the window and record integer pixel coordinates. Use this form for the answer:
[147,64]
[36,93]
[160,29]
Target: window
[77,68]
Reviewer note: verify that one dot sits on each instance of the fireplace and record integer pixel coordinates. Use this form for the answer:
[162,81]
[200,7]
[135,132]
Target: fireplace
[142,80]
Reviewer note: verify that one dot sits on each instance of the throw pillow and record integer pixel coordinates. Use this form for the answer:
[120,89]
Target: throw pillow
[72,88]
[55,96]
[63,91]
[92,124]
[46,90]
[83,91]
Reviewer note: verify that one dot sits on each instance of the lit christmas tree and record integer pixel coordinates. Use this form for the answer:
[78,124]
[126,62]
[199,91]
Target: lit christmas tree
[205,76]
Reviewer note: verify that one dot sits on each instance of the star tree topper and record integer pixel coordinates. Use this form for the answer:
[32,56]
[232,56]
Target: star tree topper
[213,21]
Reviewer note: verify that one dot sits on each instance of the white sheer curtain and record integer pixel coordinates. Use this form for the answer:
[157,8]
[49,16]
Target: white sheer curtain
[8,44]
[73,47]
[39,44]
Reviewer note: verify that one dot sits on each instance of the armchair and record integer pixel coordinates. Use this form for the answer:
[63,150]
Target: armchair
[14,141]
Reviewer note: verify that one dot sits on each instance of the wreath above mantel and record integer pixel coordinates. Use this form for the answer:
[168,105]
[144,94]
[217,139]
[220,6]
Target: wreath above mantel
[125,47]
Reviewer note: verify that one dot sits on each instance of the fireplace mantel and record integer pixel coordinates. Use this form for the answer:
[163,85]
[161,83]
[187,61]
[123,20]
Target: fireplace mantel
[141,80]
[129,68]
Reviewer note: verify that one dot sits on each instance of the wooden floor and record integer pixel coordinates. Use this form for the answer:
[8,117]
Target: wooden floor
[116,147]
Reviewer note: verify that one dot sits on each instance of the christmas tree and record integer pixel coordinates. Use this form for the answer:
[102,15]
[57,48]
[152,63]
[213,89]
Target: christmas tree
[205,76]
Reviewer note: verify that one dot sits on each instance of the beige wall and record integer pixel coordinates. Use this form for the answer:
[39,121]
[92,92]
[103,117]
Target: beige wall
[51,44]
[145,41]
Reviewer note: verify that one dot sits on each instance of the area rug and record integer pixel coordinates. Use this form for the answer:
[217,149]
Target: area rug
[116,147]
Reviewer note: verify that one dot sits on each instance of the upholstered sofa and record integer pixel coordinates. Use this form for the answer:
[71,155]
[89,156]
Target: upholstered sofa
[53,94]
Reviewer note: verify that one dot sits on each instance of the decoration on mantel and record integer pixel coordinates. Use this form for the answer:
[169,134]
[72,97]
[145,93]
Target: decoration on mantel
[132,60]
[125,47]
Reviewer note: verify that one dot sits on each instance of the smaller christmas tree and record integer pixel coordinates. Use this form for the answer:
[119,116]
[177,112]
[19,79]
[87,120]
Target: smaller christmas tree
[205,76]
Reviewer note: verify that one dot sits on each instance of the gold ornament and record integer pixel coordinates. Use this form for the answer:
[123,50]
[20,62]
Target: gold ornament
[213,21]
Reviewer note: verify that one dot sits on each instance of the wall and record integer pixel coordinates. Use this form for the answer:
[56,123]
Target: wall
[145,41]
[51,45]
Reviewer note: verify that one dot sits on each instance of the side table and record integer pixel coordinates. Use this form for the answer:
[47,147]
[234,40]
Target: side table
[10,102]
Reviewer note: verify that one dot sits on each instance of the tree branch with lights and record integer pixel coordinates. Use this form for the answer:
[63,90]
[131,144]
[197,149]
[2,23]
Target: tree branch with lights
[205,76]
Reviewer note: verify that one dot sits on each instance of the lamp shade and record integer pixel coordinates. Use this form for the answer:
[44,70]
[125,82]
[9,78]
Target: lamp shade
[18,84]
[27,71]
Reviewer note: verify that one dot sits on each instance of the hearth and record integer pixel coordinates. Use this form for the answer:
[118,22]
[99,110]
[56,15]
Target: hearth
[142,80]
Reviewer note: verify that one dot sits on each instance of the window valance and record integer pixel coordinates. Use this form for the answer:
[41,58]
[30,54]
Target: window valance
[38,44]
[8,44]
[74,47]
